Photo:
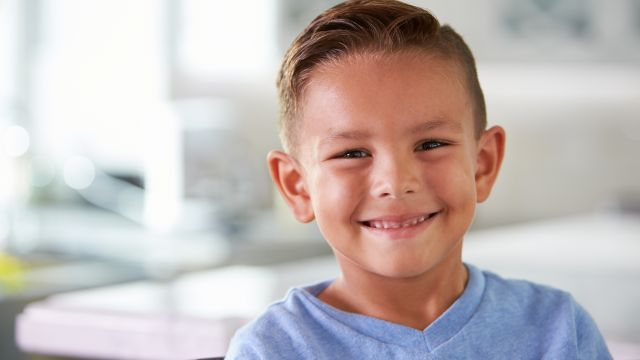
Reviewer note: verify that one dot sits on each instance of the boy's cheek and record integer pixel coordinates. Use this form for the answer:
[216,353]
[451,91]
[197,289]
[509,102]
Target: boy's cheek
[454,184]
[337,190]
[335,193]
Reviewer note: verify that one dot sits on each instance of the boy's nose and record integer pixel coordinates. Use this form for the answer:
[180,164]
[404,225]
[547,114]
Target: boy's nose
[396,178]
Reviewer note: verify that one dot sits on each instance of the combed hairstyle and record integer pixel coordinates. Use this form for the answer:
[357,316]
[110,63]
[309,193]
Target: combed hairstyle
[367,26]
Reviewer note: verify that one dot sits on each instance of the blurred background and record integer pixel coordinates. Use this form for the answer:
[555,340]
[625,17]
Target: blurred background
[133,181]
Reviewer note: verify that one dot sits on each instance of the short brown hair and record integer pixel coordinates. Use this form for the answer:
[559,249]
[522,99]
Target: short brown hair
[367,26]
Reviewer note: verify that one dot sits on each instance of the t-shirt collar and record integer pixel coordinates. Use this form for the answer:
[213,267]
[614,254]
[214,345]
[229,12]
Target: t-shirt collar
[440,331]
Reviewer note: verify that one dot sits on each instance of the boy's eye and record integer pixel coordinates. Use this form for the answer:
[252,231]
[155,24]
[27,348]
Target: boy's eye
[353,154]
[430,145]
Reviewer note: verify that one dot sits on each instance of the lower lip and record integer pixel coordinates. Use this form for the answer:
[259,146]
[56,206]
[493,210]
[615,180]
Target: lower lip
[401,232]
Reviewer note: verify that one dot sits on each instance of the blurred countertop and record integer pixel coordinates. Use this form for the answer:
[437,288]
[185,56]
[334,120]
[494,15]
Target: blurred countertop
[595,257]
[66,248]
[86,232]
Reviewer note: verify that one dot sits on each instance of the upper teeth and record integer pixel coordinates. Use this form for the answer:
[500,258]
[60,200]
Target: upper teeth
[381,224]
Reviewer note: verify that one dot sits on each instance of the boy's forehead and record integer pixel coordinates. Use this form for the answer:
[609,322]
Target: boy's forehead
[417,70]
[409,85]
[385,62]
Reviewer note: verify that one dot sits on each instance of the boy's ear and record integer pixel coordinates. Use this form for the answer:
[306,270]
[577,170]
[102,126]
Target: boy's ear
[287,176]
[488,160]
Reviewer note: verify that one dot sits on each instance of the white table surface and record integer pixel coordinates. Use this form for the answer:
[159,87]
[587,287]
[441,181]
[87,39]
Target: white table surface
[595,257]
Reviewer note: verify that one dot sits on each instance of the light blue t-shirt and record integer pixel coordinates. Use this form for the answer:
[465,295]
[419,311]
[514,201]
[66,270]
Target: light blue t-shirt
[494,318]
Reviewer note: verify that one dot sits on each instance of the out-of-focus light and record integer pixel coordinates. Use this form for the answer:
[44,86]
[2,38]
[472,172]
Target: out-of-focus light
[205,47]
[79,172]
[163,183]
[42,171]
[4,229]
[15,141]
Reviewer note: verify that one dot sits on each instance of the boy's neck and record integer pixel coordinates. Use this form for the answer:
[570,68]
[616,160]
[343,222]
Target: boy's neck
[415,302]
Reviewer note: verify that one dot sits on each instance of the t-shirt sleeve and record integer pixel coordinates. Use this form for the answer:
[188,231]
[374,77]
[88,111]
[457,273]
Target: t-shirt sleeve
[241,347]
[591,344]
[267,337]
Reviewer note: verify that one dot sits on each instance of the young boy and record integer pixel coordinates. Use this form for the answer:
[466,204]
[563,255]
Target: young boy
[386,147]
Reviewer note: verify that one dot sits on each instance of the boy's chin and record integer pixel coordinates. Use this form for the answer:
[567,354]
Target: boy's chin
[401,270]
[407,269]
[405,266]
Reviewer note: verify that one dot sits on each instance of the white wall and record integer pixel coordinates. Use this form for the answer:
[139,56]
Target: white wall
[573,138]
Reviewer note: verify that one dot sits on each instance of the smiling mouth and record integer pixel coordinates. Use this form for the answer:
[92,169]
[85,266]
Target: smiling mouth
[387,224]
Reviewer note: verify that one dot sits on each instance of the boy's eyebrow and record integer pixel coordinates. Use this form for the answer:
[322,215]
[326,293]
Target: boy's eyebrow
[435,124]
[344,135]
[335,135]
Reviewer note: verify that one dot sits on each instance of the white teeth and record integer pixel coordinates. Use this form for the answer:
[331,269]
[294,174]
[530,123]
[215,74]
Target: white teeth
[377,224]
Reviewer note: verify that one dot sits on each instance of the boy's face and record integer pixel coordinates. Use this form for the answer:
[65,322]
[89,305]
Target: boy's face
[388,161]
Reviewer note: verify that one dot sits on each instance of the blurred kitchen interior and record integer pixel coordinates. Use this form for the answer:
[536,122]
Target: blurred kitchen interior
[133,137]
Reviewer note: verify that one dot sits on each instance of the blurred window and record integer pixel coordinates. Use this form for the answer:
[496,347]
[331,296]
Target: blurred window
[226,39]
